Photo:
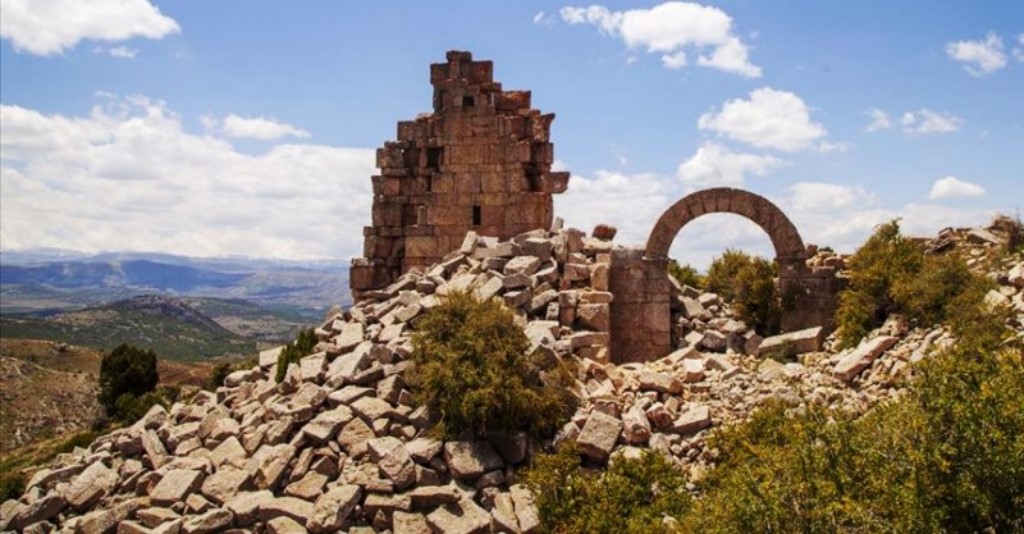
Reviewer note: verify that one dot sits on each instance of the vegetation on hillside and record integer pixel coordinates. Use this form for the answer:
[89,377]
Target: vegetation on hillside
[633,495]
[685,274]
[128,379]
[891,274]
[749,283]
[294,351]
[473,372]
[947,456]
[174,337]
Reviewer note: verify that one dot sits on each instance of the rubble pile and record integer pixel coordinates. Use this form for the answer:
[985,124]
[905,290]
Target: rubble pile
[339,445]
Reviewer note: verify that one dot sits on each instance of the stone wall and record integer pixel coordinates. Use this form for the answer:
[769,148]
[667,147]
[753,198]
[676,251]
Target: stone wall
[481,161]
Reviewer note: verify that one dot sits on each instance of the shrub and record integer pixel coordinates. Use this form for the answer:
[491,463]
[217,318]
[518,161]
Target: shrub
[722,272]
[81,439]
[948,457]
[12,484]
[303,345]
[757,301]
[126,370]
[891,274]
[633,495]
[685,274]
[131,408]
[222,369]
[473,372]
[749,282]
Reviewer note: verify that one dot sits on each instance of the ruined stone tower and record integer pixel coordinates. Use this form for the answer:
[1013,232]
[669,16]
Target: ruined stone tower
[481,161]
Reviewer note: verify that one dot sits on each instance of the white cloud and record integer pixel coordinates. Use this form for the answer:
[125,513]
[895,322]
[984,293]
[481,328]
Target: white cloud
[1019,52]
[926,121]
[538,17]
[818,196]
[630,202]
[671,29]
[120,52]
[51,27]
[714,165]
[128,176]
[259,128]
[952,187]
[879,120]
[769,119]
[980,57]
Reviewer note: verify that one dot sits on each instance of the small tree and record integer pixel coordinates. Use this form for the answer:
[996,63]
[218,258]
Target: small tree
[126,370]
[685,274]
[472,370]
[749,282]
[303,345]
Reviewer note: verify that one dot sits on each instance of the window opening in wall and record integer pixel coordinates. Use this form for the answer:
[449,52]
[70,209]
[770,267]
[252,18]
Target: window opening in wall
[434,157]
[476,216]
[410,215]
[468,101]
[429,183]
[533,177]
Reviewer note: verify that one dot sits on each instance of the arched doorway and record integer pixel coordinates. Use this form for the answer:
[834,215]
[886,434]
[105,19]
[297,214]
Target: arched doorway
[639,278]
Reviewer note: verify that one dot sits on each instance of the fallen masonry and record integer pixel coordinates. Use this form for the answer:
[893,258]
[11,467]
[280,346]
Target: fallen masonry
[338,443]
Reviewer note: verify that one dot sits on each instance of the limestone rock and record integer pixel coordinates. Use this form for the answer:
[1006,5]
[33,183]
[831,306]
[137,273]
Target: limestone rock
[861,357]
[333,507]
[599,435]
[470,459]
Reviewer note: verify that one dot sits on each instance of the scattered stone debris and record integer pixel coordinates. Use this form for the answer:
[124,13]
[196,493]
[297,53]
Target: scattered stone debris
[338,443]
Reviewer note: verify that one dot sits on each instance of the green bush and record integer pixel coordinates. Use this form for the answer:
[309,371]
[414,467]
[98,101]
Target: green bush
[722,272]
[949,457]
[81,439]
[222,369]
[473,372]
[126,370]
[12,484]
[749,282]
[131,408]
[633,495]
[685,274]
[891,274]
[303,345]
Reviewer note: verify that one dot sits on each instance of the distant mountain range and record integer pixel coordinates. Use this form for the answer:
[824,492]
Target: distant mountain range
[48,281]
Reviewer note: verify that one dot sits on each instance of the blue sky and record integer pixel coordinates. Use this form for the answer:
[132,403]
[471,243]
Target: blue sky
[248,128]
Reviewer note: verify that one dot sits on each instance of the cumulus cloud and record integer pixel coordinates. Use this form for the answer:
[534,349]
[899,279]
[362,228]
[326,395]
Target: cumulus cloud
[768,119]
[926,121]
[120,52]
[981,57]
[259,128]
[672,30]
[1018,52]
[630,202]
[51,27]
[879,120]
[714,165]
[128,176]
[952,187]
[820,196]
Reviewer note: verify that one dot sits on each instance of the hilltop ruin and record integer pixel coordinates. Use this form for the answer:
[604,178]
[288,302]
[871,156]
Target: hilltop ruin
[481,161]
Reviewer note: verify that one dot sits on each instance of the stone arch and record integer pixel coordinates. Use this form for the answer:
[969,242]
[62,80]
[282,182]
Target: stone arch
[789,246]
[641,310]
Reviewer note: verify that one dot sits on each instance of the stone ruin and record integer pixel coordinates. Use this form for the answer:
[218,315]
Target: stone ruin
[481,162]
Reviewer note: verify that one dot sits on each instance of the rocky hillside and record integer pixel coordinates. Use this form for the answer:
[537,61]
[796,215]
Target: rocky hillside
[49,389]
[338,444]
